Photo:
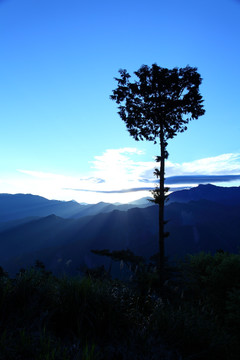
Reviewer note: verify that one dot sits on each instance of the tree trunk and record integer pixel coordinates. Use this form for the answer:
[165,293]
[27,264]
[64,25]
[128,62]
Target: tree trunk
[161,209]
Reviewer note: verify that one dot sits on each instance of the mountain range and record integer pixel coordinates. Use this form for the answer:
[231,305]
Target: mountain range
[205,218]
[19,206]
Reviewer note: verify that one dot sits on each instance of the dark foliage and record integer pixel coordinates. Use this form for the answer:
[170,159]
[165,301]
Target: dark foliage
[44,317]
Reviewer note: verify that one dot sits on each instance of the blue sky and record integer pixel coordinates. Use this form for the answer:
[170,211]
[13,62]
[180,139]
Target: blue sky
[60,133]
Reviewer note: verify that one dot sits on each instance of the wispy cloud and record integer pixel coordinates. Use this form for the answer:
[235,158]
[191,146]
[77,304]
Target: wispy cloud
[119,170]
[225,164]
[123,191]
[200,179]
[195,179]
[173,180]
[118,173]
[93,179]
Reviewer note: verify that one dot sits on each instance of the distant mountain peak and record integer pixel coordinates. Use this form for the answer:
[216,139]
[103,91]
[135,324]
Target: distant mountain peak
[218,194]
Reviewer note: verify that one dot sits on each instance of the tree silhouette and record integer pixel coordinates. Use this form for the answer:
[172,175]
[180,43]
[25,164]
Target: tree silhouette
[155,106]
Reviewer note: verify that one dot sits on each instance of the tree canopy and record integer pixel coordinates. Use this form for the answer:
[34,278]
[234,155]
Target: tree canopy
[158,97]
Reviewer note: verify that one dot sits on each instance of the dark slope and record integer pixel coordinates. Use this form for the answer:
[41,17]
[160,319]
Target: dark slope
[34,235]
[14,223]
[202,226]
[52,238]
[65,244]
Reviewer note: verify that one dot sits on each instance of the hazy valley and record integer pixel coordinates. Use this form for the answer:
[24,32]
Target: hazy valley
[62,234]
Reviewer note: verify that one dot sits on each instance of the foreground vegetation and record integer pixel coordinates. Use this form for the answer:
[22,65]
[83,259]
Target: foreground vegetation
[96,318]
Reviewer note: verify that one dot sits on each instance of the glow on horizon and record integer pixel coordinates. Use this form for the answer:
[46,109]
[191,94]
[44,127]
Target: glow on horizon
[113,174]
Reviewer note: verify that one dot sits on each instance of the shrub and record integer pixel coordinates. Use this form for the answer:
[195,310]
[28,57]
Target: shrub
[87,308]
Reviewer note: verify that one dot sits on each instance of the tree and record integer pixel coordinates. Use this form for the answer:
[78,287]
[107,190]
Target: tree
[155,106]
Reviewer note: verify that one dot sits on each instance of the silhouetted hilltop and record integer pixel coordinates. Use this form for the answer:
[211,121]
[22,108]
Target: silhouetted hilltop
[222,195]
[24,205]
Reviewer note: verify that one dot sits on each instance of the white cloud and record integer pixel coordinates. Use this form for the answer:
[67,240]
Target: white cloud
[225,164]
[111,173]
[118,169]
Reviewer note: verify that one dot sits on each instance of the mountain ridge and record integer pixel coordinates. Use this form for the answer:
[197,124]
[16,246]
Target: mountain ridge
[19,206]
[195,224]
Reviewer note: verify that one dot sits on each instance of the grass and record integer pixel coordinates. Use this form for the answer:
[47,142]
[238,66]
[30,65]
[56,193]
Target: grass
[47,318]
